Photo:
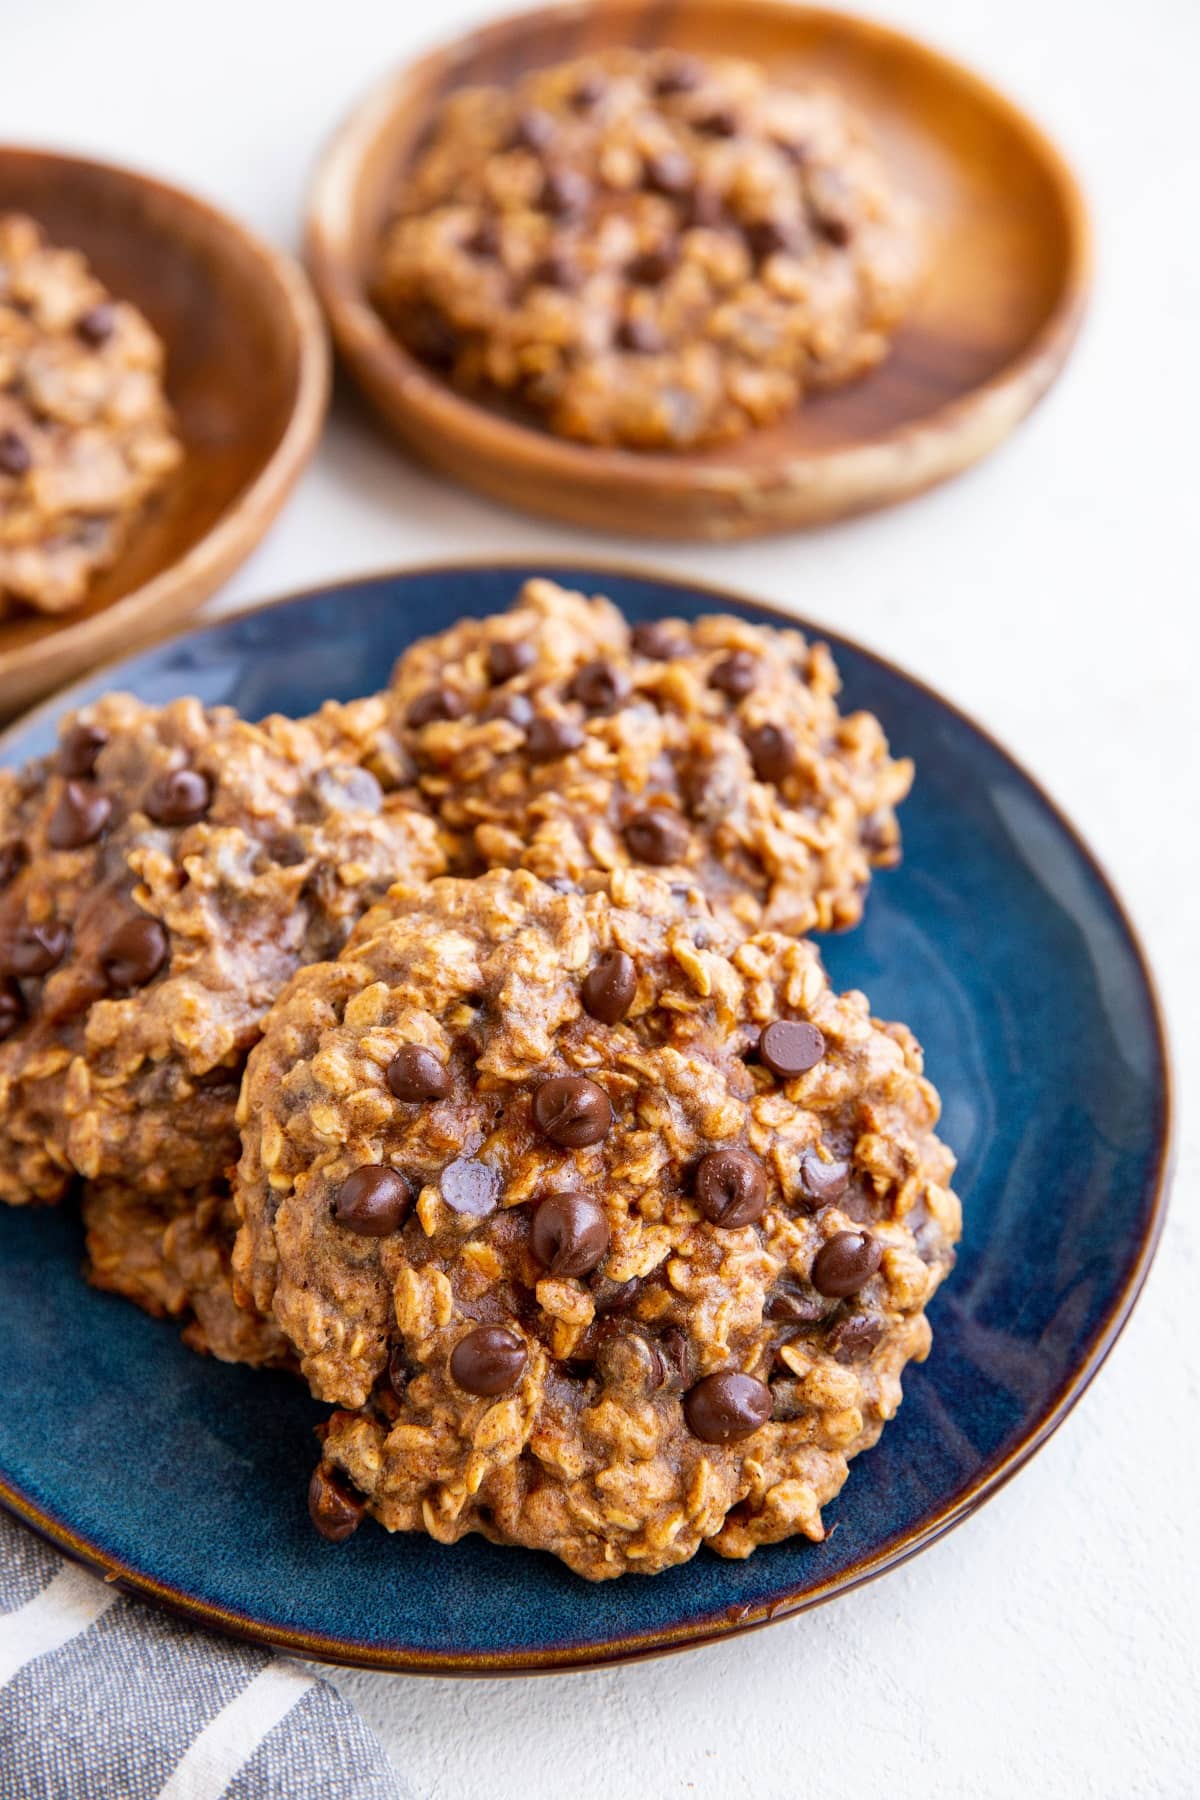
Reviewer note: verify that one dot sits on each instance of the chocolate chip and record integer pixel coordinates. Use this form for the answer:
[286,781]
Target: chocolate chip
[415,1074]
[397,1371]
[640,335]
[485,239]
[669,172]
[614,1296]
[853,1338]
[508,658]
[878,831]
[80,816]
[723,1408]
[572,1111]
[534,130]
[712,783]
[705,209]
[79,749]
[731,1188]
[599,686]
[627,1361]
[374,1201]
[735,675]
[845,1262]
[344,788]
[588,92]
[823,1181]
[470,1187]
[834,229]
[97,324]
[653,266]
[12,1007]
[134,953]
[609,987]
[790,1047]
[676,1355]
[15,457]
[179,798]
[334,1506]
[556,270]
[12,860]
[36,949]
[489,1360]
[789,1302]
[566,193]
[767,237]
[772,751]
[657,836]
[722,122]
[549,738]
[516,708]
[682,76]
[570,1234]
[432,337]
[438,703]
[657,640]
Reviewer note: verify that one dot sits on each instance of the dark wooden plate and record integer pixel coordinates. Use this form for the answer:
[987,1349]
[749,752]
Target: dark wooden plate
[1006,291]
[247,374]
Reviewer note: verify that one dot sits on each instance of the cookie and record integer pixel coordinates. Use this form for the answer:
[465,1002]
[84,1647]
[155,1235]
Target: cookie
[648,250]
[556,738]
[171,1255]
[86,434]
[608,1230]
[161,876]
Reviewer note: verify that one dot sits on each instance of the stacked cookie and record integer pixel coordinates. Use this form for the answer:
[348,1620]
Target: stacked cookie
[604,1224]
[165,872]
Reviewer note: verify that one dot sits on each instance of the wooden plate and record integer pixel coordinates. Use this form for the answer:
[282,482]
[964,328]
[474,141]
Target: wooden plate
[1009,260]
[247,374]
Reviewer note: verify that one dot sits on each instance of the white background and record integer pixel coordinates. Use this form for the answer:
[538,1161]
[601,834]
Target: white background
[1050,1646]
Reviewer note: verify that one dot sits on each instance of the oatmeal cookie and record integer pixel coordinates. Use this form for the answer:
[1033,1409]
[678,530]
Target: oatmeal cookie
[609,1230]
[557,738]
[648,249]
[161,877]
[85,430]
[171,1254]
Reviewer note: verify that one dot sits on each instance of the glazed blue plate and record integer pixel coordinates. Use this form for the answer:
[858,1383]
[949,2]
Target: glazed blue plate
[999,940]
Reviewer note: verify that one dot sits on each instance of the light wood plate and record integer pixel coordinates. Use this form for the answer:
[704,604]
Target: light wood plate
[247,374]
[1009,269]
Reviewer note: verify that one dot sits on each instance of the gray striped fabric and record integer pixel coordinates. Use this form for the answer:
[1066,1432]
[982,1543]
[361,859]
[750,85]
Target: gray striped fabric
[104,1699]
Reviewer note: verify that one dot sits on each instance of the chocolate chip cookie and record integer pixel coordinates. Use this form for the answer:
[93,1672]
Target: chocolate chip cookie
[161,876]
[558,738]
[648,249]
[610,1230]
[86,434]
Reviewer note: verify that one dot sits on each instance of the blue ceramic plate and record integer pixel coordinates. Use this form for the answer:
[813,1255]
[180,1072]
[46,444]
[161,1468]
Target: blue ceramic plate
[999,941]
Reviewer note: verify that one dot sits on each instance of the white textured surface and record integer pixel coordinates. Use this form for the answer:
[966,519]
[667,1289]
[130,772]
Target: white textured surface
[1050,1647]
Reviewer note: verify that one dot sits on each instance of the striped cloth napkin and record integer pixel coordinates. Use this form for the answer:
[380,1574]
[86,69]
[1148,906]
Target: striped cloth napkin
[102,1698]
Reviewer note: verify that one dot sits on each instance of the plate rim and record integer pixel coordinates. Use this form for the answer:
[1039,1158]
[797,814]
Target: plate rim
[433,422]
[721,1624]
[233,536]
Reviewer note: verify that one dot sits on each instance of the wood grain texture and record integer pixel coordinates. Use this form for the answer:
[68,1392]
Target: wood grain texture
[247,374]
[1006,290]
